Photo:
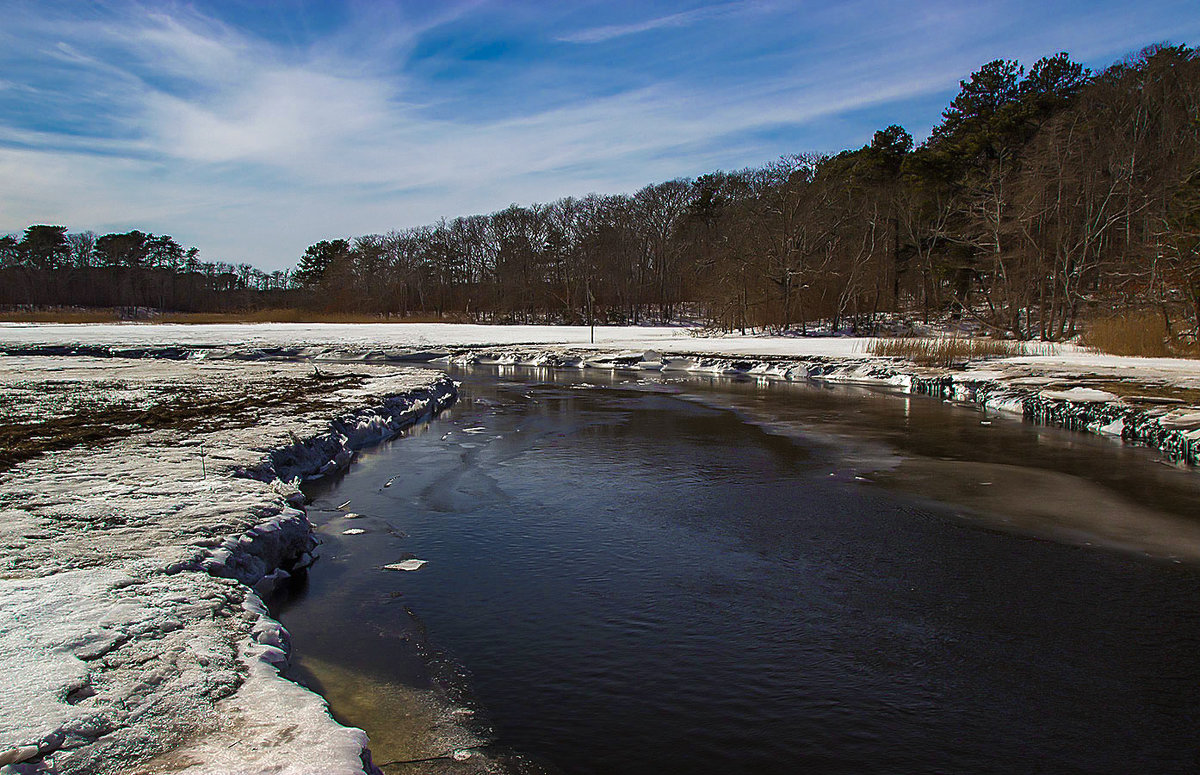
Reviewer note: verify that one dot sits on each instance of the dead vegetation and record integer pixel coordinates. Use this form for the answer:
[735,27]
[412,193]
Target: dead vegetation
[1147,391]
[60,316]
[1142,334]
[949,351]
[183,408]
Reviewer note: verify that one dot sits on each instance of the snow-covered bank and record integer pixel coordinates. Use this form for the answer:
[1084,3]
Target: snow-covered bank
[131,639]
[384,341]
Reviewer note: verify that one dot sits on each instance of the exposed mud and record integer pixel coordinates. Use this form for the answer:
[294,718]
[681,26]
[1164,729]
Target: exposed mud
[95,414]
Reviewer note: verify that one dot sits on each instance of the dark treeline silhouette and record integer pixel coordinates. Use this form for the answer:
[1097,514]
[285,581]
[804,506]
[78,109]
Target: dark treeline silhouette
[49,266]
[1042,195]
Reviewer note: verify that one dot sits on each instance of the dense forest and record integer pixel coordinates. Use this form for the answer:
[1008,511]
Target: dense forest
[1045,195]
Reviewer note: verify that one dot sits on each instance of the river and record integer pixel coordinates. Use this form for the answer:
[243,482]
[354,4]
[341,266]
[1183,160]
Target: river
[649,575]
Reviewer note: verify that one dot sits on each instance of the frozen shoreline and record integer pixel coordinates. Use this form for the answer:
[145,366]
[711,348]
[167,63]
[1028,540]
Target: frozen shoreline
[133,638]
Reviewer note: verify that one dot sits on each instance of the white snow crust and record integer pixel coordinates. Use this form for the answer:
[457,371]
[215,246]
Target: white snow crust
[132,634]
[408,565]
[1080,395]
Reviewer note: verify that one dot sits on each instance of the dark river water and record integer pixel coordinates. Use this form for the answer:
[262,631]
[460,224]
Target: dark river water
[706,576]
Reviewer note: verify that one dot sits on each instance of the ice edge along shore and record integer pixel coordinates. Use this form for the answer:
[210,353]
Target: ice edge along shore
[60,625]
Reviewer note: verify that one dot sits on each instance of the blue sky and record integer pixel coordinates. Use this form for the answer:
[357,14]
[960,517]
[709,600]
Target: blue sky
[253,129]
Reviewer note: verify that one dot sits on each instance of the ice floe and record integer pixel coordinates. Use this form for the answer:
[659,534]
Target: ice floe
[409,565]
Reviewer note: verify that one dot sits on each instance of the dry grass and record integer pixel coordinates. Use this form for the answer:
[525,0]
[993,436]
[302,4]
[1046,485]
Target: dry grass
[61,316]
[1146,391]
[947,351]
[1141,334]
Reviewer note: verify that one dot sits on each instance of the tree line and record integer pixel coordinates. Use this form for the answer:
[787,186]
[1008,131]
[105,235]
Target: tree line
[1043,195]
[49,266]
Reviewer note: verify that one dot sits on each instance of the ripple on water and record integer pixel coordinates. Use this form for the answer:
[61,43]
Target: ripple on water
[643,584]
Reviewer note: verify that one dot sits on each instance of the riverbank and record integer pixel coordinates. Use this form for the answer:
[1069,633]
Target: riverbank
[133,557]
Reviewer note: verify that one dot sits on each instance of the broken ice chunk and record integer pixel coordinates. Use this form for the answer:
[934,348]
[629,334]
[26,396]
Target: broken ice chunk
[354,531]
[413,564]
[1079,395]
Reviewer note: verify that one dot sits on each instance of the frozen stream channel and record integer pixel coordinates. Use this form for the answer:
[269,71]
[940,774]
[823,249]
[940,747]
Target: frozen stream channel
[706,576]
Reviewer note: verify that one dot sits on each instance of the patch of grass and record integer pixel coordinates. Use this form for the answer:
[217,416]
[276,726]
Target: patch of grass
[947,351]
[1142,334]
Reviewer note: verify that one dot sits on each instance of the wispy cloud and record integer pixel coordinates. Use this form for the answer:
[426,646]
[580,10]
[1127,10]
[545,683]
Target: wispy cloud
[681,19]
